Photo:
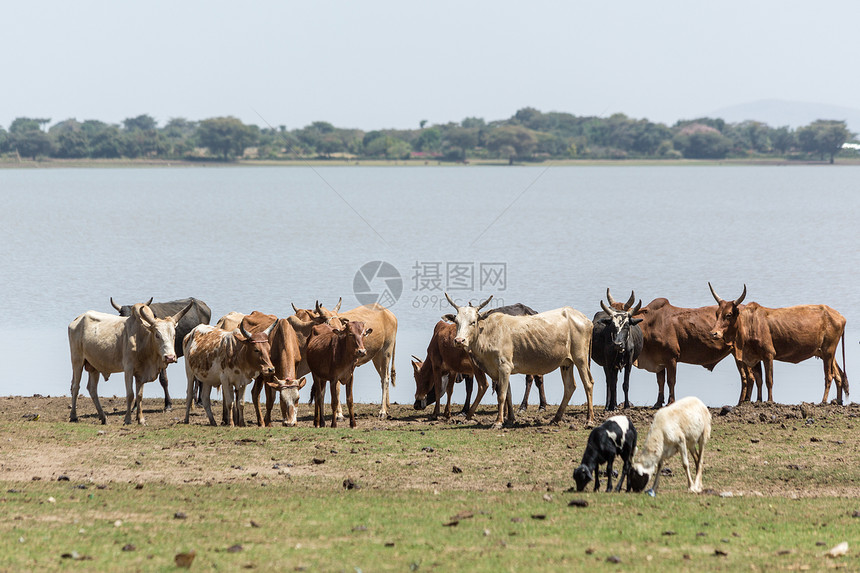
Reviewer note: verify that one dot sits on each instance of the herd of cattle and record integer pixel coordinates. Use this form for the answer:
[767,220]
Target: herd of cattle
[276,354]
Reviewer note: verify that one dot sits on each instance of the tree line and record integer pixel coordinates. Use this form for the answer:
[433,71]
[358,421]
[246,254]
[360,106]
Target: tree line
[529,135]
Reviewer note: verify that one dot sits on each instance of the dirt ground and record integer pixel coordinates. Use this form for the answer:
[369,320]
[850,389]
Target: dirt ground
[757,449]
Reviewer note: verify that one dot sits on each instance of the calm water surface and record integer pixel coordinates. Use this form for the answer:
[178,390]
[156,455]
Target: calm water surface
[261,238]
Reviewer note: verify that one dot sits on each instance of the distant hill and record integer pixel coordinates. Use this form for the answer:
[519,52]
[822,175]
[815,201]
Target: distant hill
[777,113]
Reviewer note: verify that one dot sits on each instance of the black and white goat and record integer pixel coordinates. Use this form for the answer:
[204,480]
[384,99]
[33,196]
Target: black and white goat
[614,437]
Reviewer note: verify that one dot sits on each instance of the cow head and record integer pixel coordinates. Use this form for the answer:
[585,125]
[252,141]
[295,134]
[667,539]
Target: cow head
[425,390]
[619,323]
[162,330]
[319,312]
[467,319]
[582,475]
[353,331]
[617,305]
[727,316]
[639,477]
[258,349]
[289,390]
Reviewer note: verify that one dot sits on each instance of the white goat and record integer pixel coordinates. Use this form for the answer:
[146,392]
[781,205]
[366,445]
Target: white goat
[679,427]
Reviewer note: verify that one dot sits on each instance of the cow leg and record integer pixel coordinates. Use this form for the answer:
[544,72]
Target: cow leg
[255,399]
[541,393]
[626,384]
[449,390]
[469,383]
[483,386]
[609,474]
[588,385]
[768,377]
[162,379]
[189,391]
[138,401]
[685,461]
[758,377]
[839,374]
[746,382]
[270,405]
[524,405]
[227,409]
[661,384]
[129,395]
[611,387]
[381,362]
[503,386]
[569,386]
[700,463]
[671,373]
[77,373]
[207,404]
[349,405]
[93,386]
[240,405]
[438,384]
[335,397]
[316,398]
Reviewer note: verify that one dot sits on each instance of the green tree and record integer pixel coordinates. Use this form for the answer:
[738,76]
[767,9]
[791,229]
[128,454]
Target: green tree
[783,139]
[699,141]
[31,143]
[429,140]
[458,141]
[824,137]
[512,141]
[23,124]
[225,136]
[140,123]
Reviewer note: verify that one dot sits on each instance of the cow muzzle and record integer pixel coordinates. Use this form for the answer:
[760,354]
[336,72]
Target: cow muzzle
[169,359]
[460,342]
[716,335]
[361,352]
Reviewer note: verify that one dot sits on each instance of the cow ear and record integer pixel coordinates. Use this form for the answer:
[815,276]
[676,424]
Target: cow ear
[302,382]
[367,331]
[635,321]
[448,317]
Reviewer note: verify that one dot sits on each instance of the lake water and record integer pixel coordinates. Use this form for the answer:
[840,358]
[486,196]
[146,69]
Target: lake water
[260,238]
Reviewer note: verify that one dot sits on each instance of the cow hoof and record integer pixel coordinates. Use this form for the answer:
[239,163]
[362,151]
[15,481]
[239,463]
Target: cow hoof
[542,408]
[383,415]
[73,419]
[497,426]
[168,407]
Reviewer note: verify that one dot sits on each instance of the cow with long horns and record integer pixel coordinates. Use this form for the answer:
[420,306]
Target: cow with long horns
[139,345]
[791,334]
[502,345]
[616,342]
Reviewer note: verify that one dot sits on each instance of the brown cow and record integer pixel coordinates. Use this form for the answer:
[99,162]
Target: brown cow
[286,358]
[332,355]
[380,344]
[671,335]
[229,359]
[792,334]
[444,358]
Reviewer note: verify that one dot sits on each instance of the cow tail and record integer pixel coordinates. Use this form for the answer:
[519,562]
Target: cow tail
[844,366]
[394,374]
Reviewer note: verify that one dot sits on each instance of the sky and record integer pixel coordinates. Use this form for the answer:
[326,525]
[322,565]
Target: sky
[381,64]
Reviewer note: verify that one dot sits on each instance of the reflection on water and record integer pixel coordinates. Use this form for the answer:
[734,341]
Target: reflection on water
[261,238]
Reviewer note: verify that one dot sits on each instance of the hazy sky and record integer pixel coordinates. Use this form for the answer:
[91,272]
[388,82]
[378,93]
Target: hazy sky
[391,64]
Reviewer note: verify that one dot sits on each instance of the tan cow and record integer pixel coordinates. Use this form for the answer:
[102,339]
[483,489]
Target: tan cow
[226,359]
[502,345]
[380,344]
[792,334]
[139,346]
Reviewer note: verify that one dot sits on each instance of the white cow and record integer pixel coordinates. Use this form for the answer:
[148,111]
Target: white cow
[502,345]
[139,345]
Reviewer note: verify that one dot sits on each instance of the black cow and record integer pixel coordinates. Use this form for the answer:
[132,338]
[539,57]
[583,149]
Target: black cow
[616,342]
[199,313]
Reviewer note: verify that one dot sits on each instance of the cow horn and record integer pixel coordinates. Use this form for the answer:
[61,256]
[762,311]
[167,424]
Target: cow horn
[146,316]
[299,324]
[271,327]
[415,358]
[337,306]
[295,310]
[178,316]
[149,302]
[115,305]
[244,332]
[636,308]
[741,298]
[485,303]
[452,302]
[630,300]
[606,309]
[716,296]
[609,297]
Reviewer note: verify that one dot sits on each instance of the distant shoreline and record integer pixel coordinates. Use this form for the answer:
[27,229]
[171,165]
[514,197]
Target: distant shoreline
[6,163]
